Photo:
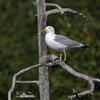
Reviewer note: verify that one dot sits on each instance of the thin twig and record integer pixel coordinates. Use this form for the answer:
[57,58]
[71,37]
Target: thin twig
[27,82]
[96,79]
[61,10]
[15,76]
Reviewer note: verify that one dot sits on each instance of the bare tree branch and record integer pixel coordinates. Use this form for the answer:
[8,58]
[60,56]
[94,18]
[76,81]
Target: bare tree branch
[15,76]
[96,79]
[61,10]
[77,74]
[53,62]
[55,5]
[27,82]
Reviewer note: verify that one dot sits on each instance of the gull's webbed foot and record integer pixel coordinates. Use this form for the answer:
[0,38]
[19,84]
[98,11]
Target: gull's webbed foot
[60,59]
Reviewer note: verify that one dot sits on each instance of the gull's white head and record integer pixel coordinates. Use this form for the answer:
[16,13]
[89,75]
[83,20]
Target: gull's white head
[49,29]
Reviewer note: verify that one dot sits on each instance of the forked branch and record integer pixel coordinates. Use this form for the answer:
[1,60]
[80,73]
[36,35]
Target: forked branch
[14,81]
[61,10]
[51,58]
[80,75]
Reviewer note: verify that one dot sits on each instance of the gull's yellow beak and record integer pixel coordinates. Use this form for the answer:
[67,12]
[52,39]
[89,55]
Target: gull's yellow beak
[43,30]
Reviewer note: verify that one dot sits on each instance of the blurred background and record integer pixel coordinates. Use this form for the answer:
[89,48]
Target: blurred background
[19,47]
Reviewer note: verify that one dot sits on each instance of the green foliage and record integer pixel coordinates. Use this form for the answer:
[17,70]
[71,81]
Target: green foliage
[19,47]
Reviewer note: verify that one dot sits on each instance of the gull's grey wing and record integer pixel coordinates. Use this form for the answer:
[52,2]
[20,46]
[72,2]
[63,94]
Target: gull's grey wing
[67,41]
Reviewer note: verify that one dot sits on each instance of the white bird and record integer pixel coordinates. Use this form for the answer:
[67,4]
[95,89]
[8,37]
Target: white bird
[60,42]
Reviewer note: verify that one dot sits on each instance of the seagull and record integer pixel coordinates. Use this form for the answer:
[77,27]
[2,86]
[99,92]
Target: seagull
[60,42]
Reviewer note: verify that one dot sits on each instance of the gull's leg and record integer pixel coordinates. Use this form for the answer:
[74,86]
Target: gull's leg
[64,55]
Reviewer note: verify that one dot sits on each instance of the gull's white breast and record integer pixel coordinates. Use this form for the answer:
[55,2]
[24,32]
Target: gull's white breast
[50,41]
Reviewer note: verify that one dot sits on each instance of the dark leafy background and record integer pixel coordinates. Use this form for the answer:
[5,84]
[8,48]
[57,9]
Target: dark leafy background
[19,47]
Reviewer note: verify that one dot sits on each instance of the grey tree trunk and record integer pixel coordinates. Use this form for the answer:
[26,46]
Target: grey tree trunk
[43,71]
